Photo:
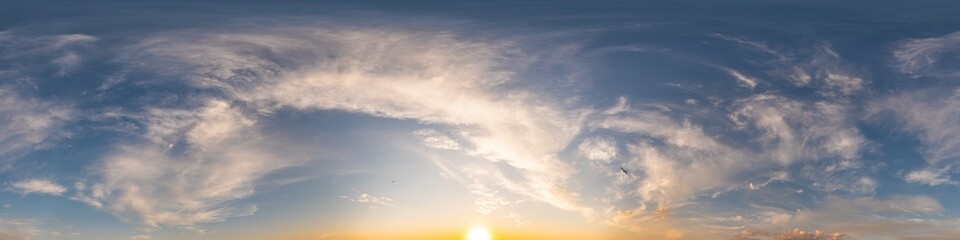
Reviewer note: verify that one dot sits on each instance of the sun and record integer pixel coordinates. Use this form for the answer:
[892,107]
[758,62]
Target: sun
[478,233]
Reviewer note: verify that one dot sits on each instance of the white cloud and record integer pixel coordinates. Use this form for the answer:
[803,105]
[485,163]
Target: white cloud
[517,219]
[932,177]
[743,80]
[843,84]
[821,68]
[367,198]
[690,161]
[464,90]
[895,217]
[599,148]
[488,200]
[63,51]
[922,57]
[38,186]
[763,47]
[430,77]
[222,158]
[794,130]
[27,124]
[932,116]
[795,234]
[435,139]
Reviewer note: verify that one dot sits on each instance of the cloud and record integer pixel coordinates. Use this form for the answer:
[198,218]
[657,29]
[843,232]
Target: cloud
[796,234]
[680,167]
[599,149]
[932,116]
[18,229]
[38,186]
[763,47]
[28,123]
[743,80]
[679,160]
[822,68]
[932,177]
[367,198]
[429,77]
[517,219]
[62,53]
[924,57]
[895,217]
[435,139]
[190,168]
[793,130]
[139,237]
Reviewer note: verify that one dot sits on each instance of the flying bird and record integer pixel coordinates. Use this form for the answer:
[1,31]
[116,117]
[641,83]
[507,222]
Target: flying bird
[624,171]
[393,181]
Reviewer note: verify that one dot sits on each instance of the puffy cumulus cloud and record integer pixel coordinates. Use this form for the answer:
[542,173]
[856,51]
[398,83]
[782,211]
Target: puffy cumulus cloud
[792,130]
[369,199]
[190,168]
[925,57]
[28,123]
[932,116]
[431,77]
[38,186]
[932,177]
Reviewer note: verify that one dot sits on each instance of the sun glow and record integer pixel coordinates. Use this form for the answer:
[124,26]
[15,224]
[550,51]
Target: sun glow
[478,233]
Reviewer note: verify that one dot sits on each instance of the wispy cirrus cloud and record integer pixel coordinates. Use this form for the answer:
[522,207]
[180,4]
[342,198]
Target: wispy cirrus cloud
[796,130]
[822,68]
[18,229]
[28,123]
[743,80]
[928,56]
[37,186]
[430,78]
[931,115]
[932,177]
[58,55]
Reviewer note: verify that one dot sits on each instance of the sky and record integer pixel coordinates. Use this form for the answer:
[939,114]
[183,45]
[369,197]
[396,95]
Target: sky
[762,120]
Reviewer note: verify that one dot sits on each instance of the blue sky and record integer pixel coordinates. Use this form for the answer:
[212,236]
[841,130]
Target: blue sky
[418,120]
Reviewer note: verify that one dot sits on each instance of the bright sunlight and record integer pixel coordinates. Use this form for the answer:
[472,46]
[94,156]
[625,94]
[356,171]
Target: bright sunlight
[478,233]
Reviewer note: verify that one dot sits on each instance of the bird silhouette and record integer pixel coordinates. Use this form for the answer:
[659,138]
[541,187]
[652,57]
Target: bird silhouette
[624,171]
